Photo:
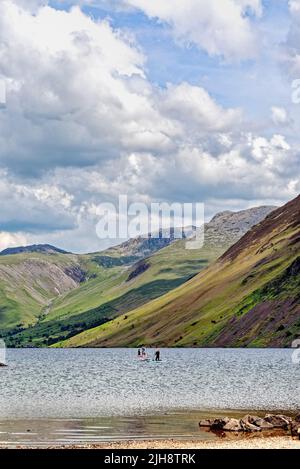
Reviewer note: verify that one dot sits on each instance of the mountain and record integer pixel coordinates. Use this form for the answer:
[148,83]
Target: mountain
[138,248]
[35,248]
[228,227]
[30,281]
[48,298]
[249,297]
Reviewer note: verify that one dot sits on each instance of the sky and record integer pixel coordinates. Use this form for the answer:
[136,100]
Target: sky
[175,101]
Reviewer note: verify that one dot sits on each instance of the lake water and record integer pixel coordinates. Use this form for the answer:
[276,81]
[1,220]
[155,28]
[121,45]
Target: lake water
[87,394]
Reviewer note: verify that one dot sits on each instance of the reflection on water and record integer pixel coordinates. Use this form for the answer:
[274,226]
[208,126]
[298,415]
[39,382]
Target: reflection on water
[80,431]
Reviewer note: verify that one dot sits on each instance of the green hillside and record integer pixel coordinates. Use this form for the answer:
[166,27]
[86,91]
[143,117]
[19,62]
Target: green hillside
[111,292]
[249,297]
[28,283]
[51,296]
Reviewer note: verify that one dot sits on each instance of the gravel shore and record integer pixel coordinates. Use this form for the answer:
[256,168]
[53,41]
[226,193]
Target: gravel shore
[277,442]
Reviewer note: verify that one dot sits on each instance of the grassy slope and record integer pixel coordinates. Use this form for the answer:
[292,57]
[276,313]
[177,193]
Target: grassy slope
[216,306]
[37,293]
[26,286]
[111,294]
[171,265]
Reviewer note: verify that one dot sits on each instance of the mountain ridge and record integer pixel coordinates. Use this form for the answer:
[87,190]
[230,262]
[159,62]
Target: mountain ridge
[153,241]
[95,288]
[245,298]
[33,248]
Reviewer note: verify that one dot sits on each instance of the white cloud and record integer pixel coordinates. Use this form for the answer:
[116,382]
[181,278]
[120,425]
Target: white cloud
[83,116]
[31,5]
[80,96]
[240,174]
[63,209]
[279,116]
[253,5]
[271,153]
[196,110]
[11,240]
[291,48]
[250,168]
[219,28]
[294,6]
[68,92]
[2,93]
[35,206]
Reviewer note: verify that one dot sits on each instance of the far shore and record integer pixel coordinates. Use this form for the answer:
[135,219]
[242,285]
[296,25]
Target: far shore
[255,442]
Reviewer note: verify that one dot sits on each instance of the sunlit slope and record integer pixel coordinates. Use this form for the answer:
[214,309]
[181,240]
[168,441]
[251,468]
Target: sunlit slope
[118,291]
[41,282]
[148,278]
[41,303]
[249,297]
[157,273]
[49,296]
[28,283]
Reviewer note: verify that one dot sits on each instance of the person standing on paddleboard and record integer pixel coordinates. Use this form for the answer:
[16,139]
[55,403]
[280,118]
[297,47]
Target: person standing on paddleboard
[157,355]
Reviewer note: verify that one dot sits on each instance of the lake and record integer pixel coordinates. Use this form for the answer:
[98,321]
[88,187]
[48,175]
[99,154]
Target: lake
[91,394]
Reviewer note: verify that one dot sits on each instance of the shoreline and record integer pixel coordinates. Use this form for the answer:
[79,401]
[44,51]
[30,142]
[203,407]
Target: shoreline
[231,429]
[179,431]
[255,442]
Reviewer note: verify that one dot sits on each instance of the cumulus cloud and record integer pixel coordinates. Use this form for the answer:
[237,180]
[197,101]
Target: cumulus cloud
[222,29]
[31,5]
[83,123]
[68,94]
[279,116]
[2,93]
[195,109]
[11,240]
[252,168]
[248,167]
[64,209]
[291,47]
[294,6]
[273,153]
[34,207]
[80,96]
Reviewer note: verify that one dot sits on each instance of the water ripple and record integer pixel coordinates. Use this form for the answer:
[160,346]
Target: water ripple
[45,383]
